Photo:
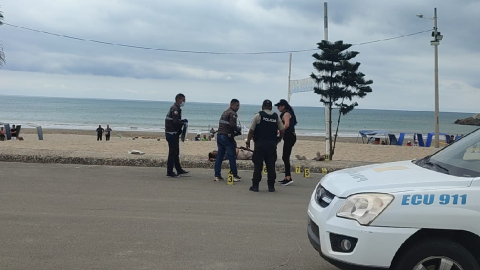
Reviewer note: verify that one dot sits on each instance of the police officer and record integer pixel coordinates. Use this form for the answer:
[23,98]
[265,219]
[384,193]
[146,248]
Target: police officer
[173,129]
[227,130]
[264,128]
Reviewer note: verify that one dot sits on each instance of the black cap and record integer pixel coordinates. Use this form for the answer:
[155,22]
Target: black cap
[282,102]
[267,103]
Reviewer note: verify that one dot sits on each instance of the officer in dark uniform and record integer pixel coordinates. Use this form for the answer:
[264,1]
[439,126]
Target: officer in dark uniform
[227,130]
[173,129]
[264,128]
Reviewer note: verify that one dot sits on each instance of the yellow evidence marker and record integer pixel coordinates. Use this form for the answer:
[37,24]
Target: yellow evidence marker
[324,170]
[297,169]
[265,170]
[230,179]
[306,172]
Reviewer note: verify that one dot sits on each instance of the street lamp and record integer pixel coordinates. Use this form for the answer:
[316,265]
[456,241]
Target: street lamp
[435,42]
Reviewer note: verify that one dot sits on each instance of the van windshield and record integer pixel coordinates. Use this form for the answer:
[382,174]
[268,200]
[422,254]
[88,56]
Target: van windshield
[461,158]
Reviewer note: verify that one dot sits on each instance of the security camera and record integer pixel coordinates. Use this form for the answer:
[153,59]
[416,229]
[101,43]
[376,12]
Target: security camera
[420,15]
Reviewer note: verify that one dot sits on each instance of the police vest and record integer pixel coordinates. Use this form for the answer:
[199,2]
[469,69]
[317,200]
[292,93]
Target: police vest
[293,122]
[266,130]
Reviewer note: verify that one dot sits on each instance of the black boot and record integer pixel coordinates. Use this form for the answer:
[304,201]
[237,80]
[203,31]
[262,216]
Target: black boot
[271,186]
[254,186]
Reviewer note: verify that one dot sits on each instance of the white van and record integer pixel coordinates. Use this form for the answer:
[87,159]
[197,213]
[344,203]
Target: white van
[410,215]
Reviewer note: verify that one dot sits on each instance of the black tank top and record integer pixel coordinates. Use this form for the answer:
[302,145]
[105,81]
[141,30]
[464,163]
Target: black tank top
[293,121]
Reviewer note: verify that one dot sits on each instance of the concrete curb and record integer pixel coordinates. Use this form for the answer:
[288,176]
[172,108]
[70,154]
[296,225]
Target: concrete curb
[186,161]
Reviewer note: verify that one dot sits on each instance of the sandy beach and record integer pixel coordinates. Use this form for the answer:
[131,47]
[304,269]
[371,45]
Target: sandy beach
[81,143]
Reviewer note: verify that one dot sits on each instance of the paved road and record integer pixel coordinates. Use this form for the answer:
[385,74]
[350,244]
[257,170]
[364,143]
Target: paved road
[56,216]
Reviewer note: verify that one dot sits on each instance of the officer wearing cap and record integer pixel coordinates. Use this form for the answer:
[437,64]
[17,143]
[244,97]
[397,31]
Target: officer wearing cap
[289,138]
[263,129]
[173,129]
[227,130]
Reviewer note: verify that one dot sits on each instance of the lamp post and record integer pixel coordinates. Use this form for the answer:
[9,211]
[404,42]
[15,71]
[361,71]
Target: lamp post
[435,42]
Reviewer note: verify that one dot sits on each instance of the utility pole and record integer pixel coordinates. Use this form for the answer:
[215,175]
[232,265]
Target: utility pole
[435,44]
[328,116]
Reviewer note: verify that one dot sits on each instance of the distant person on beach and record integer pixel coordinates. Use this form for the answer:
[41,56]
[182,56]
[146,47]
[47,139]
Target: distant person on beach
[13,132]
[205,137]
[263,129]
[107,133]
[2,134]
[452,139]
[173,129]
[100,131]
[227,130]
[212,133]
[289,138]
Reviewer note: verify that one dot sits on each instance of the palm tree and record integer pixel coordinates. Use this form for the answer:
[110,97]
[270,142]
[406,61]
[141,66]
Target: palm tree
[338,81]
[2,55]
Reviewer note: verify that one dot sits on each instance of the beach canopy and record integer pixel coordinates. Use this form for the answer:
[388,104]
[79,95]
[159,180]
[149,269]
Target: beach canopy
[366,133]
[371,133]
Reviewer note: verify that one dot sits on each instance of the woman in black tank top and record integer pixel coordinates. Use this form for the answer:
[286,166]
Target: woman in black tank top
[288,118]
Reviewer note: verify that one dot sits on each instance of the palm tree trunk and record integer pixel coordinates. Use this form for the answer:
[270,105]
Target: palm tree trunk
[338,124]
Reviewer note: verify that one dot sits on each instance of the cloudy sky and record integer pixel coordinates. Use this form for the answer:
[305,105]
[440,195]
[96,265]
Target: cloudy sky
[402,69]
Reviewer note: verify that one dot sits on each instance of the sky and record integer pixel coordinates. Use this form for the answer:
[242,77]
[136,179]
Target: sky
[402,69]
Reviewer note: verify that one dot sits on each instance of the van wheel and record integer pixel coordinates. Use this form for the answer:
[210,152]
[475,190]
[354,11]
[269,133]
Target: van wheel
[436,254]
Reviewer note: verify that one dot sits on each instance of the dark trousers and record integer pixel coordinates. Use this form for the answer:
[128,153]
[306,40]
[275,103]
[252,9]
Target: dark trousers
[99,136]
[264,151]
[107,137]
[288,142]
[173,152]
[226,145]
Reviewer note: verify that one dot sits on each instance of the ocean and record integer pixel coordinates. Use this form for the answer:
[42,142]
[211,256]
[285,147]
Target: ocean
[124,115]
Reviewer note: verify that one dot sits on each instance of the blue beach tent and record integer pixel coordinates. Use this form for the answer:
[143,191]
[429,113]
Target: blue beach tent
[420,139]
[401,138]
[393,139]
[430,136]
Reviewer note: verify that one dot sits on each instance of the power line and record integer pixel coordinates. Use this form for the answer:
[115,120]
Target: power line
[386,39]
[191,51]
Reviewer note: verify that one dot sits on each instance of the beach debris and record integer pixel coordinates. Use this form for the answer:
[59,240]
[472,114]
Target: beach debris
[301,157]
[136,152]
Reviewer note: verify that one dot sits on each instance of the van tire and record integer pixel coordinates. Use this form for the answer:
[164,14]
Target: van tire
[431,249]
